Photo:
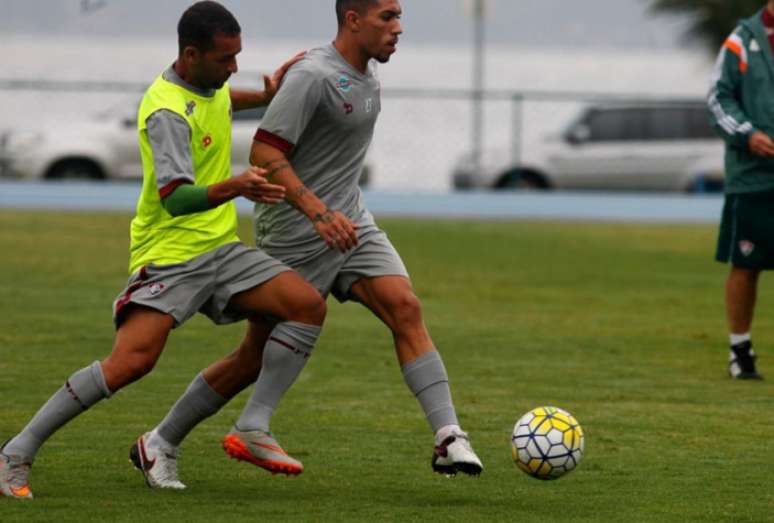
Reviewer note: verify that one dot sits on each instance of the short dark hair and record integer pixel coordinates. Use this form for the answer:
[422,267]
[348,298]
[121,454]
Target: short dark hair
[201,22]
[342,6]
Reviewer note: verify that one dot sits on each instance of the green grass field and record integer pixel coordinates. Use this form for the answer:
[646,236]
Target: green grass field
[622,325]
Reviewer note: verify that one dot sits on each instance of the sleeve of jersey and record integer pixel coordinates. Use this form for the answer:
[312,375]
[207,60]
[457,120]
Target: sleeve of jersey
[291,110]
[170,140]
[726,112]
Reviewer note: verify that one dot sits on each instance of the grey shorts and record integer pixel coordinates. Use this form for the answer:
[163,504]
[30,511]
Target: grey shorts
[331,271]
[204,284]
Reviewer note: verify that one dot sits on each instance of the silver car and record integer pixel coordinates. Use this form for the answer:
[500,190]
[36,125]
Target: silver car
[652,146]
[100,146]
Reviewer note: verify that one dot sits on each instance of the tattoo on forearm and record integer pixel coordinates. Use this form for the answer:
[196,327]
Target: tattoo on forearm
[270,174]
[268,164]
[325,217]
[300,192]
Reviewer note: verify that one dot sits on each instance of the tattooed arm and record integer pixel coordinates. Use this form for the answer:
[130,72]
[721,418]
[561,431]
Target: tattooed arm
[332,226]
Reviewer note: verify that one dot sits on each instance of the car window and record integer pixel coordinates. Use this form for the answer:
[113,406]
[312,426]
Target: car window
[667,123]
[254,114]
[614,125]
[699,126]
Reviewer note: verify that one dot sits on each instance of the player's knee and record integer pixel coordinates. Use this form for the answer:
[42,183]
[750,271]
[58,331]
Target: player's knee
[138,365]
[311,309]
[406,309]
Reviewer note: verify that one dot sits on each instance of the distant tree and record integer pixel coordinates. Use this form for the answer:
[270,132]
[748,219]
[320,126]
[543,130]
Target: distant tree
[713,20]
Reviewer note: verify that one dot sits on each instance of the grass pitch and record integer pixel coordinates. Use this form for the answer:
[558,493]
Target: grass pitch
[622,325]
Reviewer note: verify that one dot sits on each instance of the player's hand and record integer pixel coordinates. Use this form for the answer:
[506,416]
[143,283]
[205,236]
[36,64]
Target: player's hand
[761,144]
[336,229]
[271,83]
[252,185]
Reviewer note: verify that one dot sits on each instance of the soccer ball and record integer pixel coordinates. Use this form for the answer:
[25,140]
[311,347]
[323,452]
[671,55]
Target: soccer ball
[547,443]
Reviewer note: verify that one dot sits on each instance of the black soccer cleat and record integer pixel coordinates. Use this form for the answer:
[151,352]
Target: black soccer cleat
[741,365]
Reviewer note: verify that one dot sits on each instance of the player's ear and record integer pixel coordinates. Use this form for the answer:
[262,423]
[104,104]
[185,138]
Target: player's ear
[352,20]
[191,55]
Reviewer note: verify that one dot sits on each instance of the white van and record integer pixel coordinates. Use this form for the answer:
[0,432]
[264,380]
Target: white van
[643,146]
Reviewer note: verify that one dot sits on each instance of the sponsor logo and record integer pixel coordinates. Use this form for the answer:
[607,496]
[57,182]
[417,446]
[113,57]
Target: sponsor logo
[746,247]
[189,108]
[348,108]
[344,84]
[155,289]
[369,105]
[207,141]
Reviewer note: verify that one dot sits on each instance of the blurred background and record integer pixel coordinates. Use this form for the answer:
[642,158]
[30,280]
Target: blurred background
[601,95]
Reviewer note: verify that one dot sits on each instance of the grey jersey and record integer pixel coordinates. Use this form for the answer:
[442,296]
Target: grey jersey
[170,138]
[323,119]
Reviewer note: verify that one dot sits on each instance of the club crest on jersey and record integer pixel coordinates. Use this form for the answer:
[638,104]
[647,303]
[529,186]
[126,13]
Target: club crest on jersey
[348,108]
[206,141]
[746,247]
[155,289]
[189,108]
[344,84]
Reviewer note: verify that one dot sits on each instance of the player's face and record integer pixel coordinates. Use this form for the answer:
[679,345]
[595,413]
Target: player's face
[381,29]
[217,65]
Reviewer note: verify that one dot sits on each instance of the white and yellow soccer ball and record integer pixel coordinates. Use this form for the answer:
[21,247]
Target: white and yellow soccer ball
[547,443]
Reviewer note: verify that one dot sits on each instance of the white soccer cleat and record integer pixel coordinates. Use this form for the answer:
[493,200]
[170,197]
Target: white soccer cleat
[454,454]
[157,463]
[14,474]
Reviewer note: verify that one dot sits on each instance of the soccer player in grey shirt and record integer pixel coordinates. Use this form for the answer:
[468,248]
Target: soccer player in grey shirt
[313,141]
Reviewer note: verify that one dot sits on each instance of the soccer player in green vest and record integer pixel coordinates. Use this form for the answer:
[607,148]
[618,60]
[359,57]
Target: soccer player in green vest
[186,258]
[742,108]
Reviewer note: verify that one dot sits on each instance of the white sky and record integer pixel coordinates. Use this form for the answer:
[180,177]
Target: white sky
[538,23]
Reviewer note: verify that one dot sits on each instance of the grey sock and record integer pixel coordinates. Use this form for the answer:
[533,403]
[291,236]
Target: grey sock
[426,377]
[84,389]
[284,356]
[198,402]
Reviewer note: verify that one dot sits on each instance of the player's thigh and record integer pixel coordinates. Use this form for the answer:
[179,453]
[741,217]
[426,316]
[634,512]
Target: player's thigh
[285,297]
[139,342]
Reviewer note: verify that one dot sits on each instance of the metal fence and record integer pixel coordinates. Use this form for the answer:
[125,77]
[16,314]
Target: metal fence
[422,133]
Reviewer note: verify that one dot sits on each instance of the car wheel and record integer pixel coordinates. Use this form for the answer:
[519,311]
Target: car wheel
[75,170]
[705,185]
[522,180]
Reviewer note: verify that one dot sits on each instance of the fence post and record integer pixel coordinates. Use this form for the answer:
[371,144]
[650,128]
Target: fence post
[517,127]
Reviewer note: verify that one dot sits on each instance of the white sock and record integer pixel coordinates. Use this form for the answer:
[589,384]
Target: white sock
[446,431]
[736,339]
[157,440]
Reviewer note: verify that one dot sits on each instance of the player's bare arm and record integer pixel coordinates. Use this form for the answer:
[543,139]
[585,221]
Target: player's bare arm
[761,144]
[333,227]
[251,184]
[242,99]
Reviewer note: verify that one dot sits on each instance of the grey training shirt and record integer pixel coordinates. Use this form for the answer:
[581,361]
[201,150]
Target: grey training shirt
[170,139]
[323,119]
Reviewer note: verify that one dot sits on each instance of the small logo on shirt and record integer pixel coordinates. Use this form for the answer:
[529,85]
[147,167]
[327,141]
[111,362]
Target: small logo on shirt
[206,141]
[344,84]
[348,108]
[189,108]
[369,105]
[155,289]
[746,247]
[754,47]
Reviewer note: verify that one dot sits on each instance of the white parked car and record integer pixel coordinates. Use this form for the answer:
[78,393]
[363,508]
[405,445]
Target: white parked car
[103,146]
[654,146]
